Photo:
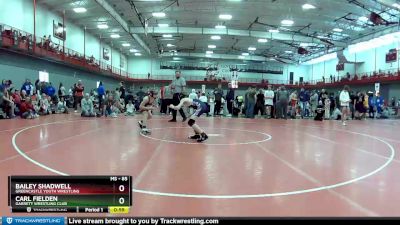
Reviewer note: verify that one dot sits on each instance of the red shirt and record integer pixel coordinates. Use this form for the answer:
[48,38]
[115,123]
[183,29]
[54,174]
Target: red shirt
[24,107]
[16,98]
[79,90]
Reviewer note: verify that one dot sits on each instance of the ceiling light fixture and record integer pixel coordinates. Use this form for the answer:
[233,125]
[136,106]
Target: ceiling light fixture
[337,30]
[167,35]
[209,52]
[220,27]
[308,6]
[252,48]
[126,44]
[396,5]
[133,50]
[158,14]
[79,10]
[262,40]
[245,54]
[241,57]
[102,26]
[115,36]
[138,54]
[363,19]
[163,25]
[216,37]
[170,45]
[212,46]
[287,22]
[273,31]
[225,17]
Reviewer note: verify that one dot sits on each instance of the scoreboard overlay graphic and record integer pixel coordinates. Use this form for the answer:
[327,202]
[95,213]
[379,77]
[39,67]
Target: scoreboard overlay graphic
[57,194]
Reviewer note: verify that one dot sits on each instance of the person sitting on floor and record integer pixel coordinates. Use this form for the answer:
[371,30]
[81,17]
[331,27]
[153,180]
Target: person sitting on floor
[44,105]
[87,107]
[109,107]
[62,106]
[336,115]
[320,112]
[27,110]
[130,109]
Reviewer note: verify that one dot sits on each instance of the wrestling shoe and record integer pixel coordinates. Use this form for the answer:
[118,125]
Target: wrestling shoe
[202,138]
[145,131]
[140,123]
[194,137]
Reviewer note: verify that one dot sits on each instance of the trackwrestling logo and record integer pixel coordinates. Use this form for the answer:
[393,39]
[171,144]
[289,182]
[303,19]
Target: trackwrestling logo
[33,220]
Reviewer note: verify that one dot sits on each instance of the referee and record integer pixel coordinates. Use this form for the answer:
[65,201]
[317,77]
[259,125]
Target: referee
[178,88]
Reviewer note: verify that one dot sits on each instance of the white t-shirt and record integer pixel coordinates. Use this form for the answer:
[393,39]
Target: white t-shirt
[203,99]
[130,108]
[193,96]
[269,97]
[344,98]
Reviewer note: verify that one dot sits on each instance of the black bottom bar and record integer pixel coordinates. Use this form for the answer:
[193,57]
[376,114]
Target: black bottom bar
[219,221]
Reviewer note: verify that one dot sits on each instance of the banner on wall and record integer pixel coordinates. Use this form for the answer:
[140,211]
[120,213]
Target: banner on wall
[203,88]
[377,87]
[106,54]
[59,31]
[43,76]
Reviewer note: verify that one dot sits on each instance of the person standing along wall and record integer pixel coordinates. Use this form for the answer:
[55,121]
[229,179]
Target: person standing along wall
[218,93]
[282,100]
[178,86]
[79,88]
[250,102]
[230,97]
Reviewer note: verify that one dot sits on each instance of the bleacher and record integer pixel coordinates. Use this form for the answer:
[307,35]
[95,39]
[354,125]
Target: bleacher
[22,42]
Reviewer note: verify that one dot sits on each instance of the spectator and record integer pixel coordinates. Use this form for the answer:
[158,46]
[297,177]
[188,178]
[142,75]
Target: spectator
[193,95]
[293,104]
[319,112]
[27,109]
[269,101]
[62,106]
[61,91]
[282,103]
[122,90]
[109,105]
[379,103]
[6,103]
[304,98]
[385,113]
[230,97]
[250,101]
[50,91]
[27,86]
[87,107]
[327,106]
[79,88]
[148,76]
[130,109]
[44,105]
[345,102]
[101,96]
[260,103]
[218,93]
[336,114]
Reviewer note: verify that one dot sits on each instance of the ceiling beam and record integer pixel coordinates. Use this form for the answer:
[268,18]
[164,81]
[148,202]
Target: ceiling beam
[123,23]
[232,32]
